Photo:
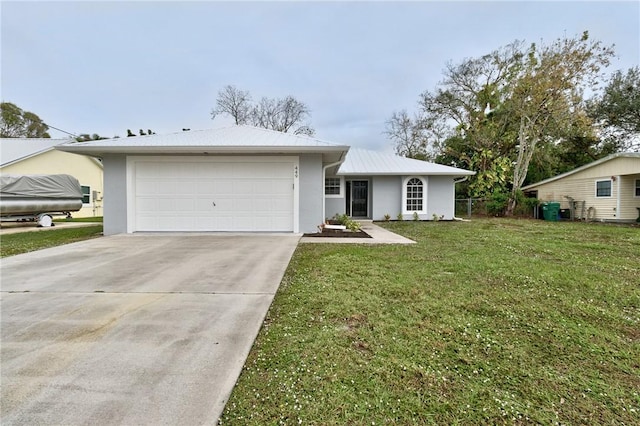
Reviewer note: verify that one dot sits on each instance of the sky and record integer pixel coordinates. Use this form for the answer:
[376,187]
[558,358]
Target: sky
[105,67]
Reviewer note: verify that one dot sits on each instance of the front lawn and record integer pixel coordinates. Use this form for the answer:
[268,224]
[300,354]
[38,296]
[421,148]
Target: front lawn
[23,242]
[494,321]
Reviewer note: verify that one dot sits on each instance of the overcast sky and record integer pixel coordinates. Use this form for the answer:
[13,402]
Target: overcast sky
[105,67]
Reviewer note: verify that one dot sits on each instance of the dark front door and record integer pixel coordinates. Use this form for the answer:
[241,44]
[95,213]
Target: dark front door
[358,201]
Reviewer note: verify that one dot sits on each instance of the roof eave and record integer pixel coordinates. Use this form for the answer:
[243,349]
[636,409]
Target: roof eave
[201,150]
[581,168]
[408,173]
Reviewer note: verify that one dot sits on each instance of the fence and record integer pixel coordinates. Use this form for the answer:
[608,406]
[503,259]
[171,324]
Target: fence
[467,207]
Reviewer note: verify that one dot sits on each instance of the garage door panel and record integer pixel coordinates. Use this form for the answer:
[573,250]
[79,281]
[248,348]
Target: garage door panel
[214,195]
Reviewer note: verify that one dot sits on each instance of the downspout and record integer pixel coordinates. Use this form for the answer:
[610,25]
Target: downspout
[454,198]
[324,175]
[618,200]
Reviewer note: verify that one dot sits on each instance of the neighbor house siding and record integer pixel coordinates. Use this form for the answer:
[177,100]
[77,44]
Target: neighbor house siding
[311,192]
[581,186]
[629,202]
[386,196]
[85,169]
[115,194]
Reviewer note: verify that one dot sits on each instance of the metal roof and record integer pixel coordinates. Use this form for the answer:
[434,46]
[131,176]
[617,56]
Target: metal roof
[586,166]
[13,150]
[364,162]
[227,139]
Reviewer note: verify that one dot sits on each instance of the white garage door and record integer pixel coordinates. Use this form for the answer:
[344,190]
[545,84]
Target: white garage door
[230,194]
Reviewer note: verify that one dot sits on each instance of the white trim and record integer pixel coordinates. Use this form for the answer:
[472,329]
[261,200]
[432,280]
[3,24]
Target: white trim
[132,160]
[405,181]
[610,189]
[618,196]
[341,194]
[90,195]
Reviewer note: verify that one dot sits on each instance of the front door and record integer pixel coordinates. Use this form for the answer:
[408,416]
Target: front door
[358,198]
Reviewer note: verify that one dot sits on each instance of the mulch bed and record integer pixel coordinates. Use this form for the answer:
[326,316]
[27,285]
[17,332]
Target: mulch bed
[337,233]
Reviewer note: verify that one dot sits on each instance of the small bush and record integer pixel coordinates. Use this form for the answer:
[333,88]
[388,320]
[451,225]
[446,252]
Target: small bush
[346,221]
[496,204]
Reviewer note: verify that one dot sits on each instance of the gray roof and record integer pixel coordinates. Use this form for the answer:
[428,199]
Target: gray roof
[13,150]
[365,162]
[248,139]
[233,139]
[586,166]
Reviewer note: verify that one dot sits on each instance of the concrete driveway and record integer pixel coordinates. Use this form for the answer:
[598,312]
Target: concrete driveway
[133,329]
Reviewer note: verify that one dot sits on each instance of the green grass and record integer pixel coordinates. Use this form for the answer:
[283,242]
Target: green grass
[495,321]
[23,242]
[80,219]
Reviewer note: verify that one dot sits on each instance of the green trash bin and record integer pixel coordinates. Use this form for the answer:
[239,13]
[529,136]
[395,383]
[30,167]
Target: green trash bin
[551,211]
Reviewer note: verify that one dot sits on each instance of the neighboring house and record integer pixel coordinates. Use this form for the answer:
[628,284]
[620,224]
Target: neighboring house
[22,156]
[243,178]
[607,189]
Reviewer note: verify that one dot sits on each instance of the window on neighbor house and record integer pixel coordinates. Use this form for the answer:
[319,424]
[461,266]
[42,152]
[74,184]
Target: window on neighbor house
[415,195]
[332,186]
[603,188]
[637,193]
[86,194]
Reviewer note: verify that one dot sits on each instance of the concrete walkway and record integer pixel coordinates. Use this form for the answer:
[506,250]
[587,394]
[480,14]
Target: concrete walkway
[378,236]
[133,329]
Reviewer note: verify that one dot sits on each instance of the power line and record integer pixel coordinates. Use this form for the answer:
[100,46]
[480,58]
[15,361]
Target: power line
[60,130]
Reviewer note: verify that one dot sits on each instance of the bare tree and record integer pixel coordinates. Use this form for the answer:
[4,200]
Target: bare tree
[234,102]
[283,115]
[414,137]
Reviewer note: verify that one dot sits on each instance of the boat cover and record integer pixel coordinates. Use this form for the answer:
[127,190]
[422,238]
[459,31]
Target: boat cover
[40,186]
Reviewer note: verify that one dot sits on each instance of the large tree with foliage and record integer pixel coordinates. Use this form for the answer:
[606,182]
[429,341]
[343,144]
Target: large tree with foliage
[547,97]
[509,108]
[17,123]
[283,115]
[617,110]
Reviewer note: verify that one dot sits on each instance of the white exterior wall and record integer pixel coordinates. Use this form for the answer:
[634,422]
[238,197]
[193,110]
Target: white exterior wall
[115,194]
[386,196]
[441,197]
[311,191]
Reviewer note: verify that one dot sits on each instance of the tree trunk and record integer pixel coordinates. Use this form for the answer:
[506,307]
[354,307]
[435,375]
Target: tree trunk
[528,141]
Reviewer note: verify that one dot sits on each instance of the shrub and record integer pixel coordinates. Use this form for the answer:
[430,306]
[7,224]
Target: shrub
[349,223]
[497,203]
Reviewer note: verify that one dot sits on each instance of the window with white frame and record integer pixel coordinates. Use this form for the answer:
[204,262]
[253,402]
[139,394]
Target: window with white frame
[637,188]
[86,194]
[603,188]
[333,186]
[414,195]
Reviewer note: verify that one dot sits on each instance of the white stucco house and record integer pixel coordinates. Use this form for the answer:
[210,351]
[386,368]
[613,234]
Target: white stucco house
[242,178]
